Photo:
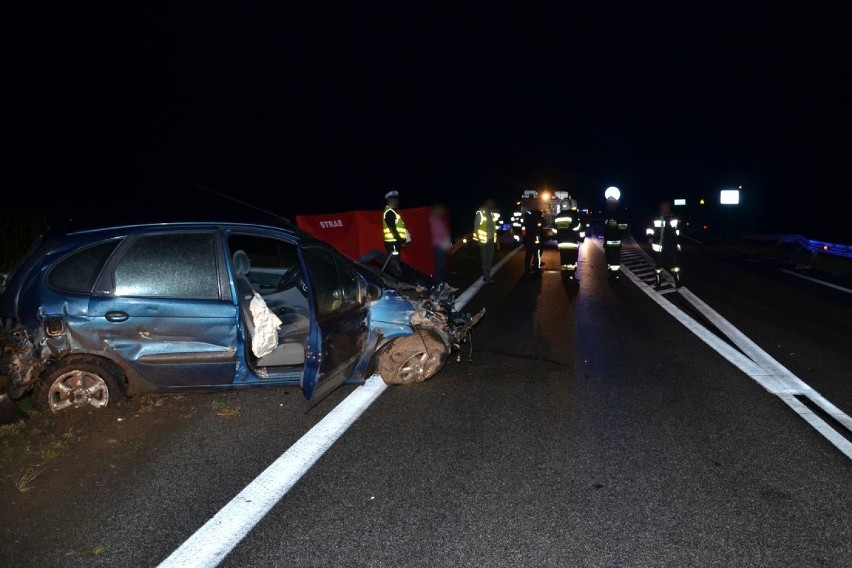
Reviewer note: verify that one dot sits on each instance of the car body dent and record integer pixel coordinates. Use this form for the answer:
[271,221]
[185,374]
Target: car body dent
[50,324]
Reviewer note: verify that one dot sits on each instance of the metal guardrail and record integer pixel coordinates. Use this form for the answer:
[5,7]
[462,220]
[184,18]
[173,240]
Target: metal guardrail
[811,245]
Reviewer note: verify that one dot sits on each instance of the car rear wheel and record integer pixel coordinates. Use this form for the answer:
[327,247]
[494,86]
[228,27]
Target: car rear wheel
[412,359]
[76,383]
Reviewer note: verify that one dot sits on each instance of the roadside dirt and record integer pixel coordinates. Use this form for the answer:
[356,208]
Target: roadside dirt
[82,456]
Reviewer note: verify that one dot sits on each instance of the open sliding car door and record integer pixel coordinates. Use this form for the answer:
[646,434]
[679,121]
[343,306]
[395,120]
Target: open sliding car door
[339,322]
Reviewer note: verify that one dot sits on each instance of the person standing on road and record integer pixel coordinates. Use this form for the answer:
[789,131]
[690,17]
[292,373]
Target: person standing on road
[532,239]
[568,227]
[664,238]
[615,228]
[441,240]
[485,233]
[394,232]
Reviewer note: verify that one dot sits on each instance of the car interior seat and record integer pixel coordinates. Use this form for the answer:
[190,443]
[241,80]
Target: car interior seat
[294,328]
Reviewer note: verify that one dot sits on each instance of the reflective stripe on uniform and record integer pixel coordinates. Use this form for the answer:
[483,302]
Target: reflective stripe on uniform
[614,267]
[567,245]
[481,234]
[622,226]
[673,223]
[649,231]
[613,243]
[658,223]
[656,247]
[400,227]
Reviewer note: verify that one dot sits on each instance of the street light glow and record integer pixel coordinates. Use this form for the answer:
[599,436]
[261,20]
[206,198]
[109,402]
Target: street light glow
[612,192]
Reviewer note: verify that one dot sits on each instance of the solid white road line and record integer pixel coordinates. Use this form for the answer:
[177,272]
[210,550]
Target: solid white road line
[217,537]
[465,297]
[213,541]
[755,362]
[818,281]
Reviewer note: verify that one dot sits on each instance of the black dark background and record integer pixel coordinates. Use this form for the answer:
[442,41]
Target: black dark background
[306,110]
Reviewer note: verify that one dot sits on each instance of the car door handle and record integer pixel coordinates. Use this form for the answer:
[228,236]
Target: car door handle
[117,316]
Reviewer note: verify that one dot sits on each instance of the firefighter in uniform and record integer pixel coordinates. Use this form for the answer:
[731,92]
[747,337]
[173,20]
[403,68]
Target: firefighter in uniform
[569,225]
[614,231]
[485,233]
[395,234]
[664,237]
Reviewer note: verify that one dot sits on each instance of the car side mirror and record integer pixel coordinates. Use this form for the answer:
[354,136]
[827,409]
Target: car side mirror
[373,293]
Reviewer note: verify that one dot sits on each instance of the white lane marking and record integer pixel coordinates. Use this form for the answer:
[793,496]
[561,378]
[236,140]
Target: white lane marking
[817,280]
[756,363]
[213,541]
[210,544]
[477,286]
[818,423]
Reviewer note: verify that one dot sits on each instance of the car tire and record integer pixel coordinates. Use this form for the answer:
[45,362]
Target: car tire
[77,382]
[412,359]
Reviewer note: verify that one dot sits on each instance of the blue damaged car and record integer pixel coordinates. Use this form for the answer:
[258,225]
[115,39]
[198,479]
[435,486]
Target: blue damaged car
[92,315]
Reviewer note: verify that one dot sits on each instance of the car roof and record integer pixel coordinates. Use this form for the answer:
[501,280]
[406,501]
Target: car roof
[71,229]
[92,234]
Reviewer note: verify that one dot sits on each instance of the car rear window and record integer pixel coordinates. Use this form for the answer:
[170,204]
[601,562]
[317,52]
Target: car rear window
[179,265]
[79,271]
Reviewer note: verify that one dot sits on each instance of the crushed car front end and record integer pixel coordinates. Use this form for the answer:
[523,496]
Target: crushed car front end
[415,328]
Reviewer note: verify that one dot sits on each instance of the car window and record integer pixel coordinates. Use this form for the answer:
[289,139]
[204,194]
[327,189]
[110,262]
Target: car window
[178,265]
[79,271]
[335,285]
[271,260]
[348,281]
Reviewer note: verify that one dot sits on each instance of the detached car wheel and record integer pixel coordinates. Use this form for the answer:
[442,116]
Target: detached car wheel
[412,359]
[77,383]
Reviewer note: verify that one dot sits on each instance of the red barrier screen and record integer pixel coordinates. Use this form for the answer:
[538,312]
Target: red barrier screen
[356,233]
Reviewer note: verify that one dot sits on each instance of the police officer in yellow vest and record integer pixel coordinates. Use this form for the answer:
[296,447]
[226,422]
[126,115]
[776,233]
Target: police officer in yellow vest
[395,234]
[485,233]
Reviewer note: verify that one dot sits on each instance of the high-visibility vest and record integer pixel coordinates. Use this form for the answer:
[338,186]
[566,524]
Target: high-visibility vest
[481,233]
[400,226]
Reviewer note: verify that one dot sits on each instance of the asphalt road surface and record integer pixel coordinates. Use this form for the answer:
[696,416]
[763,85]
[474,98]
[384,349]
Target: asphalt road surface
[591,429]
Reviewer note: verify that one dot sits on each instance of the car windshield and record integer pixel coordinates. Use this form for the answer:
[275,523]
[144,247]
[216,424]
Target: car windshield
[409,280]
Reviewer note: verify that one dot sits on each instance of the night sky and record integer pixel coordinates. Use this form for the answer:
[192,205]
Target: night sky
[316,110]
